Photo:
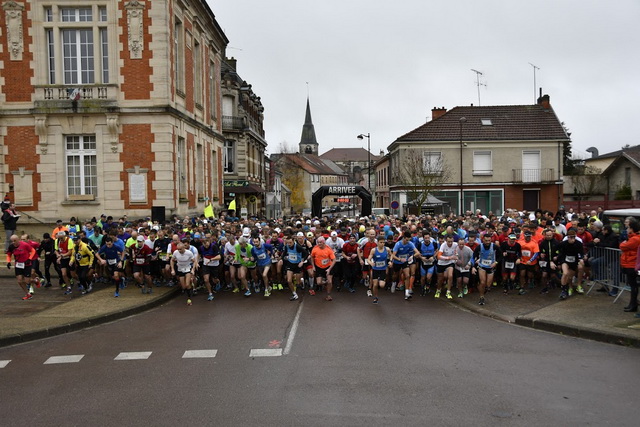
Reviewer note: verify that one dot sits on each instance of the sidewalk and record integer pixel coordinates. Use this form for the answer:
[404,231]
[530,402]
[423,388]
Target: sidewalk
[592,316]
[51,313]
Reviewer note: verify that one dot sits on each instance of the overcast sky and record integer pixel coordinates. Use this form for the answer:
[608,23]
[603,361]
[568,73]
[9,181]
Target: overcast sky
[380,67]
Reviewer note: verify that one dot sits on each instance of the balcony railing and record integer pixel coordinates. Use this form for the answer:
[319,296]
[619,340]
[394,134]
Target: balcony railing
[58,93]
[534,175]
[232,123]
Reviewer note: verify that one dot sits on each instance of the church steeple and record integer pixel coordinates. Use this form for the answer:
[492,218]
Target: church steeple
[308,142]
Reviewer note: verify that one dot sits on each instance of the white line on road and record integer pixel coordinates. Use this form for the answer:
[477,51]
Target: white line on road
[64,359]
[134,355]
[4,363]
[294,329]
[265,352]
[193,354]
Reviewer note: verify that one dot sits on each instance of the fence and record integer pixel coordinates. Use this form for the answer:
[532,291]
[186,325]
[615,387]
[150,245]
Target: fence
[606,271]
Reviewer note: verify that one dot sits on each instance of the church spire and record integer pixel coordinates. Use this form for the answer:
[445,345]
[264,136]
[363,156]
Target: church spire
[308,142]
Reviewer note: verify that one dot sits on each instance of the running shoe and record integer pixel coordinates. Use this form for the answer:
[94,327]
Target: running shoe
[522,291]
[351,290]
[544,290]
[267,292]
[564,295]
[189,302]
[294,297]
[116,295]
[393,287]
[437,295]
[407,294]
[256,288]
[465,290]
[248,293]
[68,291]
[90,288]
[375,300]
[38,282]
[570,291]
[481,302]
[328,298]
[449,296]
[210,297]
[47,284]
[27,296]
[369,293]
[579,290]
[400,288]
[280,287]
[31,291]
[236,290]
[312,292]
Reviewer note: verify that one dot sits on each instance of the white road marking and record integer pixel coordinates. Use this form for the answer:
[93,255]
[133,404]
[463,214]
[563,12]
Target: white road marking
[265,352]
[294,329]
[64,359]
[193,354]
[4,363]
[134,355]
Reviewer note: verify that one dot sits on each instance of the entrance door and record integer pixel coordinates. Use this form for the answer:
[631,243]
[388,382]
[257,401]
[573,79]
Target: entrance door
[530,200]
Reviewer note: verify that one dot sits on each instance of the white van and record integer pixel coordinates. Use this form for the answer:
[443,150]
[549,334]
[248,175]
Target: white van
[616,217]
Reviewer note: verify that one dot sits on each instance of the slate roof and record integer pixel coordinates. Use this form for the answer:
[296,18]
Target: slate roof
[349,154]
[629,150]
[508,123]
[314,164]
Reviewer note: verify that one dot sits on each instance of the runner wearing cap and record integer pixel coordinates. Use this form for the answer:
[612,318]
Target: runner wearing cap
[140,256]
[247,264]
[82,257]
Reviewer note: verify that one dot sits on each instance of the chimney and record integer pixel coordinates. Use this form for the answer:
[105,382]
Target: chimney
[232,62]
[437,112]
[543,100]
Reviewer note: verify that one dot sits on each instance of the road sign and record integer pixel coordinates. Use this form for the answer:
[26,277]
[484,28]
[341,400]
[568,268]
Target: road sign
[395,204]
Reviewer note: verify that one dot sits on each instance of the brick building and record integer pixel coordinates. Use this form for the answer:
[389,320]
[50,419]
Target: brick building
[110,106]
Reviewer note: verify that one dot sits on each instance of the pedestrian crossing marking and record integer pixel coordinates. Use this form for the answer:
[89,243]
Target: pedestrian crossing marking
[265,352]
[133,355]
[195,354]
[4,363]
[75,358]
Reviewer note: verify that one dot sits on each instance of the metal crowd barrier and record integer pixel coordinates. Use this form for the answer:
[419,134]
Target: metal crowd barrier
[606,270]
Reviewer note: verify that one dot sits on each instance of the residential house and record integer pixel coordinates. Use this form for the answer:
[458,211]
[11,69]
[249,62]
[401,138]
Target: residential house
[382,195]
[356,162]
[110,106]
[488,158]
[244,145]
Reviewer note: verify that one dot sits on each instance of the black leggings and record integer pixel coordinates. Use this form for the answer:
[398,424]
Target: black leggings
[83,272]
[632,281]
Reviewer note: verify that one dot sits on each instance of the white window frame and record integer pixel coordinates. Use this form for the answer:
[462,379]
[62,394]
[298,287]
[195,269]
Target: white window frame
[229,157]
[178,55]
[478,168]
[432,162]
[182,168]
[87,167]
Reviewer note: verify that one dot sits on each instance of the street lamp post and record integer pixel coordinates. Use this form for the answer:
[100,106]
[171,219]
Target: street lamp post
[368,136]
[460,207]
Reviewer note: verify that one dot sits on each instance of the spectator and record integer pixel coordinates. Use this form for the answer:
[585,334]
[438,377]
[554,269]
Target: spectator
[628,261]
[9,220]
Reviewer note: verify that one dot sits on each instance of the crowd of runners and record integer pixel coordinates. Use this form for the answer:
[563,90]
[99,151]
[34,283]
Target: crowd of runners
[443,256]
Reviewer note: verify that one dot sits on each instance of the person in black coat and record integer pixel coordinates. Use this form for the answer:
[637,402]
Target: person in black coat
[10,220]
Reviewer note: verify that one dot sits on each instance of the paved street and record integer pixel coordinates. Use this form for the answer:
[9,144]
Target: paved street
[423,362]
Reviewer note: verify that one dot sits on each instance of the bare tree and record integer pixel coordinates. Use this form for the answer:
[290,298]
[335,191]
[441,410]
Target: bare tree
[587,181]
[420,172]
[292,175]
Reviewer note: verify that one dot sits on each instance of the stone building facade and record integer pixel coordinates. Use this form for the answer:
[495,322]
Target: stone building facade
[110,106]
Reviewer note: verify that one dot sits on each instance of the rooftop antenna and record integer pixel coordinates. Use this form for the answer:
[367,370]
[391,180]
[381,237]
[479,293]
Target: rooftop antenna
[534,81]
[478,74]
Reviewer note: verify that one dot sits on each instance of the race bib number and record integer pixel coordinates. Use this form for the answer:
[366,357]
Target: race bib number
[293,258]
[163,256]
[526,253]
[262,256]
[112,261]
[570,258]
[543,264]
[509,265]
[185,270]
[428,262]
[403,258]
[485,263]
[78,257]
[139,261]
[380,263]
[19,264]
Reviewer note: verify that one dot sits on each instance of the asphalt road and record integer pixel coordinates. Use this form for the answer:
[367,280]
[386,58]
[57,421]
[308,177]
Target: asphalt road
[422,362]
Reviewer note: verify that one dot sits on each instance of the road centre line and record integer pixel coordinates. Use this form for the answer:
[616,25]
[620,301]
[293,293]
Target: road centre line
[265,352]
[194,354]
[294,329]
[75,358]
[134,355]
[4,363]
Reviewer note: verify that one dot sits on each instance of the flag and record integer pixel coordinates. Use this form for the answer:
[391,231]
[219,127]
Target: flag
[208,211]
[232,205]
[74,94]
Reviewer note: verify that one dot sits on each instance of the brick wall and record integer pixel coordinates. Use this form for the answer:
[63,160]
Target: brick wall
[17,74]
[136,73]
[21,142]
[136,151]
